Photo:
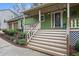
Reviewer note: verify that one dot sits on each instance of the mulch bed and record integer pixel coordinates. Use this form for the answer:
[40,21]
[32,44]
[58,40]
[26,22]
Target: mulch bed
[3,36]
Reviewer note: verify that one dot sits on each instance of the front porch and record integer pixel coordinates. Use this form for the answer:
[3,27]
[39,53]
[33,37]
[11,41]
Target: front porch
[57,16]
[53,16]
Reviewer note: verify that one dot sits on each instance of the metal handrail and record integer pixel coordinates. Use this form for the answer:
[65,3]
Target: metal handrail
[32,31]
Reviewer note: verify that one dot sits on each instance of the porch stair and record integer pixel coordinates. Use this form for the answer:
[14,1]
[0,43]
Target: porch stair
[52,42]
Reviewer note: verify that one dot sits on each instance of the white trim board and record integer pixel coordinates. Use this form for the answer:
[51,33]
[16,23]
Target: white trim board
[53,26]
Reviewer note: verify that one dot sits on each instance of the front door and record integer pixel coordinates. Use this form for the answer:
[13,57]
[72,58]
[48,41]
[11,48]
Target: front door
[57,20]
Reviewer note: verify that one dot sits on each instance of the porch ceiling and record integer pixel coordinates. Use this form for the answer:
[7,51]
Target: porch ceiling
[47,8]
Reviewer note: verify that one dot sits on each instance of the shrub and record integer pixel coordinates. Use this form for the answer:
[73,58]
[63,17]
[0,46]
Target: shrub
[5,31]
[77,45]
[21,35]
[21,41]
[10,32]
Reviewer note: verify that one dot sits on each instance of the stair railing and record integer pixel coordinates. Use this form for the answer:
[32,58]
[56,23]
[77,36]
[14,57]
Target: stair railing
[74,23]
[33,29]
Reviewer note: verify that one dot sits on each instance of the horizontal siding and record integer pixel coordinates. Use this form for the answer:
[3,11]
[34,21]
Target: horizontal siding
[47,23]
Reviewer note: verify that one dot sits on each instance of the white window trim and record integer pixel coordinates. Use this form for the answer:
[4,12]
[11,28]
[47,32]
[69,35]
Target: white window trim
[51,20]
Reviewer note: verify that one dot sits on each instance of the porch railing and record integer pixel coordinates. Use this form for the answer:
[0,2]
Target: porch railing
[74,23]
[31,32]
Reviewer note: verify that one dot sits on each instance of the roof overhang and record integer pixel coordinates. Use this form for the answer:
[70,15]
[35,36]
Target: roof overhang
[48,8]
[15,19]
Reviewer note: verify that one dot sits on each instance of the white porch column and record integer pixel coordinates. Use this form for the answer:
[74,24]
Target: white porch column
[51,20]
[40,18]
[68,28]
[61,19]
[68,18]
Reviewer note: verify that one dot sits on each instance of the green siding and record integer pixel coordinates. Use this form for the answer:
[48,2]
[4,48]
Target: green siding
[47,23]
[65,19]
[74,13]
[30,20]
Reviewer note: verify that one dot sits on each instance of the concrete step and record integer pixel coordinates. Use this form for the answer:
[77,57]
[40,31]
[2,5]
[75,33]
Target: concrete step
[50,36]
[46,51]
[49,47]
[51,40]
[50,32]
[54,30]
[49,44]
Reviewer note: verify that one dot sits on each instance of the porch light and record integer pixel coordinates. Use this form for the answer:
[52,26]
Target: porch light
[64,9]
[48,13]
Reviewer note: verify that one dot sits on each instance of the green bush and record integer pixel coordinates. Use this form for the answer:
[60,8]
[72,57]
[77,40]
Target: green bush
[21,35]
[77,45]
[21,41]
[10,32]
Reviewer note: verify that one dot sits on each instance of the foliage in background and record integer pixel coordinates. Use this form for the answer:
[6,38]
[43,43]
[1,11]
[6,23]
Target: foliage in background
[21,35]
[10,32]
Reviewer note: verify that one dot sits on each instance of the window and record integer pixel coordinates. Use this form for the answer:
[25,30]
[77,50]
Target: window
[43,18]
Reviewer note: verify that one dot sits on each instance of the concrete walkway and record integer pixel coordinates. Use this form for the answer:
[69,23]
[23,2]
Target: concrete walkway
[7,49]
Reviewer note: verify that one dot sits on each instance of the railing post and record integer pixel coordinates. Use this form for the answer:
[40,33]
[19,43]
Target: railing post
[75,22]
[40,19]
[68,28]
[71,22]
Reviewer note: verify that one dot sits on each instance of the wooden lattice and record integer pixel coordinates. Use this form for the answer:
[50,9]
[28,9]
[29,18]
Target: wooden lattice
[74,36]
